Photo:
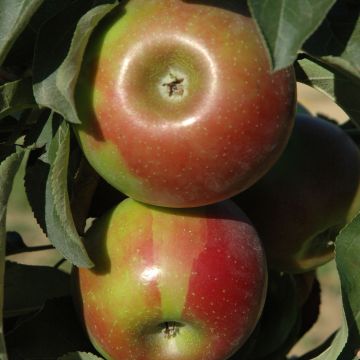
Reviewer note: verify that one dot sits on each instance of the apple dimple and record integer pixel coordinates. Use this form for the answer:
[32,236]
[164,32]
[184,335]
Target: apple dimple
[166,80]
[175,84]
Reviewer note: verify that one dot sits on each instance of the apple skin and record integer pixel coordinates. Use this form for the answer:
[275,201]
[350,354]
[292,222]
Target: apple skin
[201,272]
[178,105]
[301,204]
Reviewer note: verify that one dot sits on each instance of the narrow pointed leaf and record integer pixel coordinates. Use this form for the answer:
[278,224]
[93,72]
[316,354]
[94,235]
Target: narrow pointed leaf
[46,184]
[59,221]
[8,169]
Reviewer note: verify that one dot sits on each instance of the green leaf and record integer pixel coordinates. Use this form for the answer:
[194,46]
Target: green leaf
[27,287]
[14,16]
[16,96]
[347,248]
[61,45]
[46,183]
[337,41]
[342,89]
[8,169]
[59,221]
[286,24]
[49,333]
[22,52]
[41,132]
[37,173]
[346,342]
[80,356]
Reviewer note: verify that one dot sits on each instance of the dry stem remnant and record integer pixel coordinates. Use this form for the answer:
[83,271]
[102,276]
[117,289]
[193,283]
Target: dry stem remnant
[175,87]
[170,330]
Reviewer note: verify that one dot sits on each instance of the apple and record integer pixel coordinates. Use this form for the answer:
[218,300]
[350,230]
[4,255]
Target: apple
[301,204]
[178,105]
[181,284]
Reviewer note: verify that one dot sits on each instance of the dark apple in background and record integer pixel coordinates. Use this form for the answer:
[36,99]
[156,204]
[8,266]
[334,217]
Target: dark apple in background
[177,102]
[182,284]
[300,205]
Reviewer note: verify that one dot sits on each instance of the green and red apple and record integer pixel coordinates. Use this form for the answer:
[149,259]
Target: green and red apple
[170,284]
[178,104]
[313,191]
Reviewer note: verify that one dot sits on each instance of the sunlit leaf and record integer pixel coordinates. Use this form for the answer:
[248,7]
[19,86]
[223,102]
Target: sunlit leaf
[8,169]
[60,49]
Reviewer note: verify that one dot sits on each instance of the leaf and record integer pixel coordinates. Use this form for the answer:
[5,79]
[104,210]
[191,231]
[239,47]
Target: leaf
[36,177]
[14,16]
[15,96]
[80,356]
[60,48]
[347,248]
[8,169]
[346,342]
[59,221]
[22,51]
[46,184]
[14,243]
[27,287]
[41,132]
[286,24]
[342,89]
[337,40]
[49,333]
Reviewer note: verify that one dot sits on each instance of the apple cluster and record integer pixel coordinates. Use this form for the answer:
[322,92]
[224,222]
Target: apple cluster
[180,112]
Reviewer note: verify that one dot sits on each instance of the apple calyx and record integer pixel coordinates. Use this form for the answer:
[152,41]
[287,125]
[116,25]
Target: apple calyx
[175,85]
[170,329]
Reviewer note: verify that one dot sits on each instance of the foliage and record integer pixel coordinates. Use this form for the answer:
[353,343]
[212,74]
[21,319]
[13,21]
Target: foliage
[42,44]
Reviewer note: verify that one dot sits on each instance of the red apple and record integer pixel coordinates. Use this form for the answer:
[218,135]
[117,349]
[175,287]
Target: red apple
[172,284]
[178,104]
[300,205]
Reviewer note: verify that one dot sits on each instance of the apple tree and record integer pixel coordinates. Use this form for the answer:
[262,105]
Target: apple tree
[182,105]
